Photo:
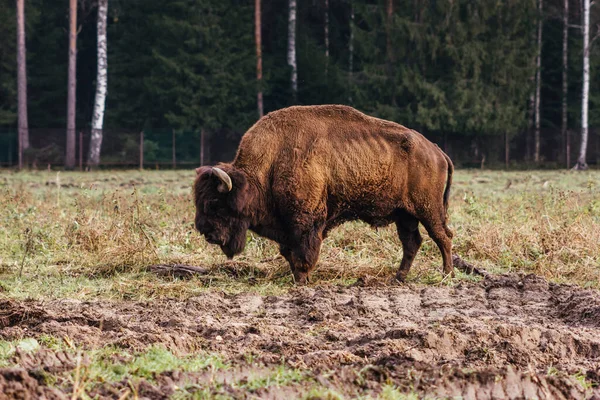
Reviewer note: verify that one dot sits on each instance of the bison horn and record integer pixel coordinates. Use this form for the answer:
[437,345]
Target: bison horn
[226,184]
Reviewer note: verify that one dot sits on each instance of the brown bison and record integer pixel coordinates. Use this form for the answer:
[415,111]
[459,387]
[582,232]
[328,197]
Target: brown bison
[303,170]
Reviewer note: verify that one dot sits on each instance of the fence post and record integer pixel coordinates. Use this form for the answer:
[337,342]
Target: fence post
[173,145]
[201,146]
[506,150]
[80,150]
[141,150]
[20,148]
[10,148]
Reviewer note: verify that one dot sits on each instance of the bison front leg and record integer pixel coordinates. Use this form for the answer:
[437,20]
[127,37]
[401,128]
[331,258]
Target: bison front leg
[303,256]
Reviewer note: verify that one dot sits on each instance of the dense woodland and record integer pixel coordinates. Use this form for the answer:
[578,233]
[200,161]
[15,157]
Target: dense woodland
[200,72]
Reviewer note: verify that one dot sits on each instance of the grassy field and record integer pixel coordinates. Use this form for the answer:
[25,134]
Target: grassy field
[69,236]
[83,235]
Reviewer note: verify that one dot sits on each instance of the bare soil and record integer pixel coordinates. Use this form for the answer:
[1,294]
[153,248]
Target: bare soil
[508,336]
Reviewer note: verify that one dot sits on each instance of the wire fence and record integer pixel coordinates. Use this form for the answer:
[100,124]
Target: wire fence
[167,148]
[121,149]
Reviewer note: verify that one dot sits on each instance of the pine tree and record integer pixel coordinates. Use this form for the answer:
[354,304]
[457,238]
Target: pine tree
[206,80]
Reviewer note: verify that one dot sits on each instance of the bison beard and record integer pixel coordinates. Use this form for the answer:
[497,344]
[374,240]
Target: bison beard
[301,171]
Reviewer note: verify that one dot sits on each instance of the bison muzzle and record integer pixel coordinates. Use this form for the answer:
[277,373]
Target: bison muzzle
[303,170]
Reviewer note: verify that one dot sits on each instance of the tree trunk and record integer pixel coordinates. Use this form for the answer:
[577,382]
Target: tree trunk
[258,38]
[291,56]
[564,127]
[391,58]
[23,126]
[581,161]
[101,84]
[70,153]
[351,53]
[388,26]
[538,84]
[530,125]
[326,37]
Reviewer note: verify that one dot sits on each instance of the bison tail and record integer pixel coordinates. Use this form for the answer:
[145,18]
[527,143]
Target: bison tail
[447,190]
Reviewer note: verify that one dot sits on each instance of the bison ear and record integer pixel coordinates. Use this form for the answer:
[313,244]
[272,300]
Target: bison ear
[202,170]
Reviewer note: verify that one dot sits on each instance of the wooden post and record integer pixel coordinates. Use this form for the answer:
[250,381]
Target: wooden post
[141,150]
[202,147]
[173,146]
[506,150]
[20,149]
[10,144]
[80,151]
[568,147]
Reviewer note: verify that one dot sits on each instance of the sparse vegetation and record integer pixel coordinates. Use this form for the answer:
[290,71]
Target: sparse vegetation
[89,236]
[92,236]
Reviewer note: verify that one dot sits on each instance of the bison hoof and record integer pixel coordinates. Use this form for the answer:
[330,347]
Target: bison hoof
[400,277]
[449,273]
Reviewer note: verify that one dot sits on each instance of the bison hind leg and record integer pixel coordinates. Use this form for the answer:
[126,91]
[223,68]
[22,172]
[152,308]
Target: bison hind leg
[442,236]
[408,232]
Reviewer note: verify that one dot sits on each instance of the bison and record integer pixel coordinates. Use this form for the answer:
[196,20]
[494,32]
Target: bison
[303,170]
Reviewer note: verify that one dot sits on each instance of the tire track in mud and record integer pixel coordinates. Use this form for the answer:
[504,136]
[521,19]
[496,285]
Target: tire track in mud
[509,336]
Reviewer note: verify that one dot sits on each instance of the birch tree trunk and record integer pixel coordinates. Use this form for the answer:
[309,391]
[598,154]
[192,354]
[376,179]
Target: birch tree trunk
[538,84]
[291,56]
[101,84]
[70,153]
[581,162]
[326,36]
[23,126]
[258,39]
[565,60]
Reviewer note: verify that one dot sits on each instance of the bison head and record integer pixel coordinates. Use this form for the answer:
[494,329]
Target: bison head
[222,195]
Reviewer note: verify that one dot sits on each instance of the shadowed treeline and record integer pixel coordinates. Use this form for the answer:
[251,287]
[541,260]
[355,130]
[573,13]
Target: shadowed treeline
[462,73]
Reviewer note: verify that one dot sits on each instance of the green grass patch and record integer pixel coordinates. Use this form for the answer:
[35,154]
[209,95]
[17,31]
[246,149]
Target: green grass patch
[115,365]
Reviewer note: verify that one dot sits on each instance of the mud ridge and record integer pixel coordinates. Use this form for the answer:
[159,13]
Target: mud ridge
[509,336]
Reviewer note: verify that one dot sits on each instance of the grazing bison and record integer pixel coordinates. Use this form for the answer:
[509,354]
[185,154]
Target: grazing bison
[301,171]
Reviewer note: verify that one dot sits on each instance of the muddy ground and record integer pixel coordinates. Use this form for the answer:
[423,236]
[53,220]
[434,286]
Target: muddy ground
[508,336]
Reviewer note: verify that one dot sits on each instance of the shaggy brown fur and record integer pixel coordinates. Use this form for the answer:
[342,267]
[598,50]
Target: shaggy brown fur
[301,171]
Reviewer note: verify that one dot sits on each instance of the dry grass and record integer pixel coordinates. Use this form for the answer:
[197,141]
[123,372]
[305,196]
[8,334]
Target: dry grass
[88,235]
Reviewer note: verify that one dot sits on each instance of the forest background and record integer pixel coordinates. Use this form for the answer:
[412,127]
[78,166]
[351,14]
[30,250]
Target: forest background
[186,78]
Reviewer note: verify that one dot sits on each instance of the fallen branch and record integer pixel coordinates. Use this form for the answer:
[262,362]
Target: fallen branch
[178,270]
[466,267]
